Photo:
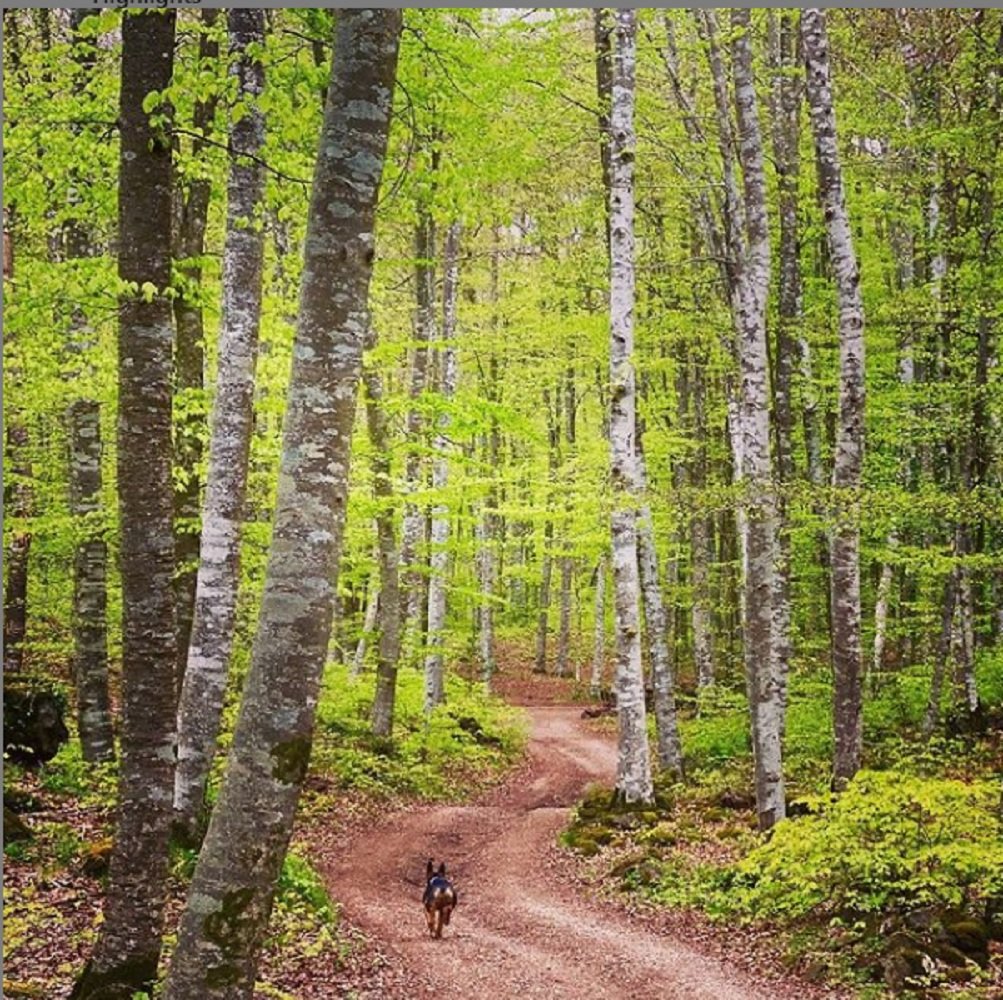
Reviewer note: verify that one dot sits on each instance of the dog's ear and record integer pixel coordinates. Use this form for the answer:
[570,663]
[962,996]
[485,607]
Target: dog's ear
[442,870]
[428,870]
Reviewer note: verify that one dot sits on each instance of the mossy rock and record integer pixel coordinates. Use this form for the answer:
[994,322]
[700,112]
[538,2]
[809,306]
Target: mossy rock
[971,937]
[907,967]
[662,835]
[14,828]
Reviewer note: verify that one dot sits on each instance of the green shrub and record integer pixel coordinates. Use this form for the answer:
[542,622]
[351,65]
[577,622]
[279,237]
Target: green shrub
[890,840]
[301,887]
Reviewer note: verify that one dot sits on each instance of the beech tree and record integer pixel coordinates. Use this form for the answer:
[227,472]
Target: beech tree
[847,659]
[214,616]
[633,782]
[234,882]
[127,952]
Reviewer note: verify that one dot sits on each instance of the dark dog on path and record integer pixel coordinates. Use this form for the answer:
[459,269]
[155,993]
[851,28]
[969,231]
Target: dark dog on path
[440,898]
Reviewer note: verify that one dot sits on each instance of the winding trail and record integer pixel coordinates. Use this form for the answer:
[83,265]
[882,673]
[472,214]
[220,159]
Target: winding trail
[519,931]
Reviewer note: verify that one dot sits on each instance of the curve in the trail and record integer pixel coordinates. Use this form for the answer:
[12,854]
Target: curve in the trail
[518,930]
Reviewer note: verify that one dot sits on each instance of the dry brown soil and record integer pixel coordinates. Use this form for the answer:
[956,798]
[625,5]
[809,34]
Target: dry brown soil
[522,929]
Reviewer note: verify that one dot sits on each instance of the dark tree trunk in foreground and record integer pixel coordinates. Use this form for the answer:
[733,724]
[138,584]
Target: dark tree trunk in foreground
[847,658]
[234,883]
[214,617]
[128,950]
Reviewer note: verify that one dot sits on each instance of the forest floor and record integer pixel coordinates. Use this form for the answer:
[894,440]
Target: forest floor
[528,924]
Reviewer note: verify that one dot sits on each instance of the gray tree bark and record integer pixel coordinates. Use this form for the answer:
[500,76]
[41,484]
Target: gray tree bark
[234,883]
[389,609]
[633,781]
[567,560]
[847,659]
[435,688]
[413,532]
[191,211]
[90,598]
[547,568]
[214,619]
[127,952]
[599,634]
[90,560]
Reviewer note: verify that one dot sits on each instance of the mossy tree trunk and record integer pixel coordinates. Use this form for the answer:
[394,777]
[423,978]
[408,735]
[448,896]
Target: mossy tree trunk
[234,883]
[214,617]
[127,952]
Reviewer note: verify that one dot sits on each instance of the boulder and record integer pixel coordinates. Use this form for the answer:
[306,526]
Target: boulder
[33,727]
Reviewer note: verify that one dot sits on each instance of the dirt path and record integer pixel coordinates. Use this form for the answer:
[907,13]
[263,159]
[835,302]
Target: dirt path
[519,930]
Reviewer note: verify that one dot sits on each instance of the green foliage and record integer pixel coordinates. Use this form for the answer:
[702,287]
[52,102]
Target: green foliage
[300,886]
[69,774]
[890,841]
[472,734]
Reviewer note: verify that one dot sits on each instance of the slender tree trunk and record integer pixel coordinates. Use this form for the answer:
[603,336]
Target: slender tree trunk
[413,534]
[192,204]
[670,756]
[389,621]
[786,100]
[599,641]
[204,688]
[546,573]
[90,560]
[90,602]
[749,268]
[368,626]
[703,633]
[234,883]
[847,656]
[17,506]
[948,604]
[567,560]
[881,604]
[127,952]
[487,530]
[633,782]
[435,688]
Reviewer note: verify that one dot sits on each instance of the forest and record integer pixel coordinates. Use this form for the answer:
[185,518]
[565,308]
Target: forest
[560,444]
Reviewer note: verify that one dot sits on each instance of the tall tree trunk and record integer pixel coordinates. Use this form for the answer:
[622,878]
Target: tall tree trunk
[847,657]
[389,620]
[487,529]
[90,600]
[127,952]
[948,604]
[204,689]
[413,533]
[435,688]
[599,640]
[17,506]
[567,560]
[546,572]
[700,530]
[656,624]
[749,271]
[90,560]
[633,776]
[234,883]
[785,100]
[192,206]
